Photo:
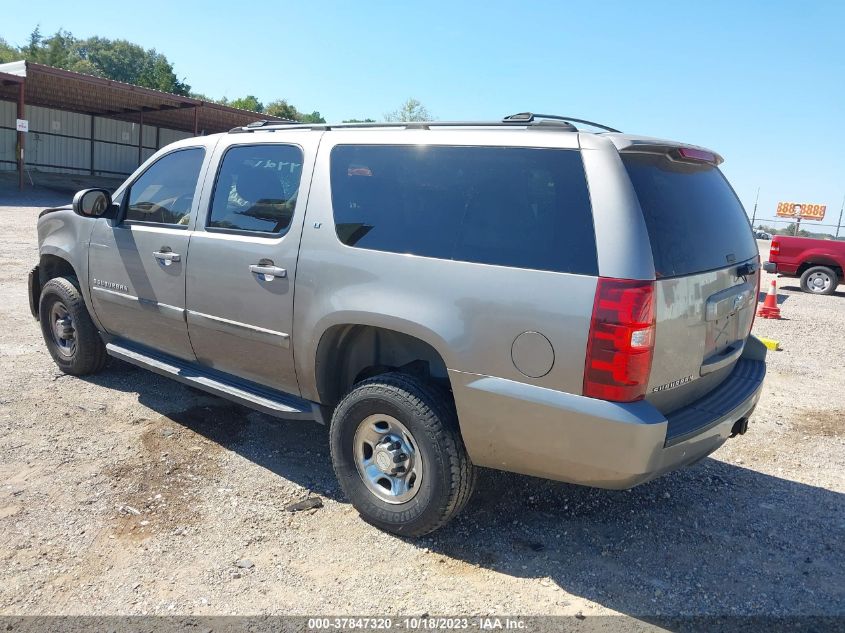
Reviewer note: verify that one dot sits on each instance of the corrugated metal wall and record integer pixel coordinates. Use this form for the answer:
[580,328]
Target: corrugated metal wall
[8,138]
[166,136]
[62,141]
[58,141]
[115,146]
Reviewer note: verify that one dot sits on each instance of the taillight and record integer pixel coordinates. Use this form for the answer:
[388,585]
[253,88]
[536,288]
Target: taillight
[774,249]
[621,343]
[700,155]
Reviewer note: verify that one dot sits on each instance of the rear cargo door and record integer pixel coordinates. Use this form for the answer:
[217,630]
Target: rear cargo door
[707,268]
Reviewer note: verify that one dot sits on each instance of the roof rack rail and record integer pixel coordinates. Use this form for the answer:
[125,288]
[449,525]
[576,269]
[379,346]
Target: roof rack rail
[530,117]
[523,119]
[261,124]
[407,125]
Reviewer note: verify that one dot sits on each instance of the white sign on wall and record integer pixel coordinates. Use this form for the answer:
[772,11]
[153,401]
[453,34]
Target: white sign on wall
[22,125]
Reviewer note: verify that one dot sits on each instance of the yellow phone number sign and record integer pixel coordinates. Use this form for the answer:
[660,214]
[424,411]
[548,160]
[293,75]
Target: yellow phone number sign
[801,210]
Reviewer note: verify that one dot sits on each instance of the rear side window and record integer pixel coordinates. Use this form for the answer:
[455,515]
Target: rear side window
[508,206]
[695,221]
[256,189]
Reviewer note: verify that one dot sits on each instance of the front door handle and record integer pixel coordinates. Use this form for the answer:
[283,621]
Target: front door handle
[166,256]
[268,270]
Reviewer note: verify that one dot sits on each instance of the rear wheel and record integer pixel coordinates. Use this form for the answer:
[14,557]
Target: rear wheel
[819,280]
[398,454]
[71,337]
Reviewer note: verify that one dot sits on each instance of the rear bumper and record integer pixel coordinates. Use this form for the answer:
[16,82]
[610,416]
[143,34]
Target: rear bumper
[781,268]
[546,433]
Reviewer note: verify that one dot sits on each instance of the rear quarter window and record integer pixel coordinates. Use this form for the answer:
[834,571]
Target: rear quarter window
[694,219]
[506,206]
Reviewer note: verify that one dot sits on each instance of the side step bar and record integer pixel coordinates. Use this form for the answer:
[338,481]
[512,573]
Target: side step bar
[270,401]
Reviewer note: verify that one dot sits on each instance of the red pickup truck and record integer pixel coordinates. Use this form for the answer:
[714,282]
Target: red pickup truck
[819,263]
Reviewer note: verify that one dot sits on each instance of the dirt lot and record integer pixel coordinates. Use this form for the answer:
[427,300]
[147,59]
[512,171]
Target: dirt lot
[126,493]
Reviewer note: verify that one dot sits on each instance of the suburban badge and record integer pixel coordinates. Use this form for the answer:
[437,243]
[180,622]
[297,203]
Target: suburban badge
[673,384]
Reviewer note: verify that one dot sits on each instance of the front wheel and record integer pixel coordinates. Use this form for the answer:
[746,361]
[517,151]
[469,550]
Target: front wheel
[819,280]
[399,456]
[71,337]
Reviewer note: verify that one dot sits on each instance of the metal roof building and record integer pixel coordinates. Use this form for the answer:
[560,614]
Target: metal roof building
[81,124]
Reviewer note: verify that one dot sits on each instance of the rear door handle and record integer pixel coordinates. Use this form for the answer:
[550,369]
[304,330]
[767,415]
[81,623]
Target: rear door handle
[268,270]
[166,256]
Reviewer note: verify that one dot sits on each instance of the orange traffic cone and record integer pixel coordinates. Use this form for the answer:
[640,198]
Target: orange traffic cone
[770,309]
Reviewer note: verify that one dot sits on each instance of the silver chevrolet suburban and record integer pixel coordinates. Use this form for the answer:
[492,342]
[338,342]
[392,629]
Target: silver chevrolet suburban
[521,294]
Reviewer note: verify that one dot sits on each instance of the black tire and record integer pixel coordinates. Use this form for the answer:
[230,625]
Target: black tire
[85,353]
[819,273]
[429,415]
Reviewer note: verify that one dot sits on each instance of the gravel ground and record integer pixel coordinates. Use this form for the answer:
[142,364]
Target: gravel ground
[126,493]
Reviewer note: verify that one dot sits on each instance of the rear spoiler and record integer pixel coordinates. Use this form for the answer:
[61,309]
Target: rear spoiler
[682,151]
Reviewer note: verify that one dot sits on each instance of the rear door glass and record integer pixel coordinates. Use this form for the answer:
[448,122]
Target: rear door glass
[695,221]
[507,206]
[256,189]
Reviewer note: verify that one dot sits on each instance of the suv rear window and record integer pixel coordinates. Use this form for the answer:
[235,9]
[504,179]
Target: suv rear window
[508,206]
[695,221]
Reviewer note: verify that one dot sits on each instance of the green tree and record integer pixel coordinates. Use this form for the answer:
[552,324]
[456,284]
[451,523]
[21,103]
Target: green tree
[247,103]
[411,110]
[124,61]
[314,117]
[58,50]
[115,59]
[790,230]
[202,97]
[35,39]
[282,109]
[359,120]
[8,53]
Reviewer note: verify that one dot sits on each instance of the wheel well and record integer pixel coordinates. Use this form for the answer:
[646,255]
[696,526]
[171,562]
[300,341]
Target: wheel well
[348,354]
[823,262]
[52,266]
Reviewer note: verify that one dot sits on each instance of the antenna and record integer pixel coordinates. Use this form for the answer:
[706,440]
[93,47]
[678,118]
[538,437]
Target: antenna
[754,214]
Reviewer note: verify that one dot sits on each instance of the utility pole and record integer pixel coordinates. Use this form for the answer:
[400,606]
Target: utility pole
[838,224]
[754,213]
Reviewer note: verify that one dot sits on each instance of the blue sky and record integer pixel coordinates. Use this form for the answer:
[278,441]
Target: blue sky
[763,83]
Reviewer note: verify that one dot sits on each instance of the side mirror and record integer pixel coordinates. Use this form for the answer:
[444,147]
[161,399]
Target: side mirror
[93,203]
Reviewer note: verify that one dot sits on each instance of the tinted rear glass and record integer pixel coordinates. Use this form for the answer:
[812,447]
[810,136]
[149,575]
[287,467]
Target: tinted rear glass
[508,206]
[694,219]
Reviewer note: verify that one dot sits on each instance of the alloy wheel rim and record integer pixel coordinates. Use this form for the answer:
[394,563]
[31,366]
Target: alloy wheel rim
[387,459]
[62,329]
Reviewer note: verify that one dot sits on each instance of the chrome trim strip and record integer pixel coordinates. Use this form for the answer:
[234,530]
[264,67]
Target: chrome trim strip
[131,301]
[236,328]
